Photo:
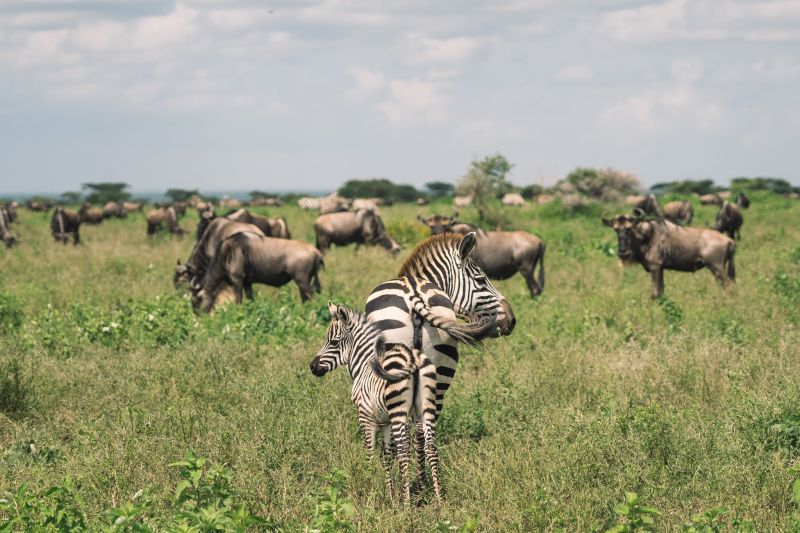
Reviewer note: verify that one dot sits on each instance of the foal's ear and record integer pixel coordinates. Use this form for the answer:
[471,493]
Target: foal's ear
[467,244]
[341,313]
[332,309]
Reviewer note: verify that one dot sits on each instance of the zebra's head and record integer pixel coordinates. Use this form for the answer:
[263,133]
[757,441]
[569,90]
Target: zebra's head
[347,329]
[447,260]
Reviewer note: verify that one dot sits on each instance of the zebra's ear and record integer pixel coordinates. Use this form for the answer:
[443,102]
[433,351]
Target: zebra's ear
[341,313]
[467,244]
[332,309]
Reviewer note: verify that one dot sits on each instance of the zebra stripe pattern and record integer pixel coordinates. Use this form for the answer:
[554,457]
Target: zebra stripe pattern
[308,202]
[390,383]
[439,281]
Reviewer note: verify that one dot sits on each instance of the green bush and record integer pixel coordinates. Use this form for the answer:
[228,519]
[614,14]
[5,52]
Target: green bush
[16,394]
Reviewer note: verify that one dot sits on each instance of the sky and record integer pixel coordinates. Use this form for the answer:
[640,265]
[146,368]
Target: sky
[303,95]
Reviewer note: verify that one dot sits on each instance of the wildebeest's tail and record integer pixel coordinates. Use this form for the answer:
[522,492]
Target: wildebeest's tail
[541,268]
[319,263]
[729,253]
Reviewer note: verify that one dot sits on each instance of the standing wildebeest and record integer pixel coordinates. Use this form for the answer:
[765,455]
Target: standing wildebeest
[247,258]
[89,214]
[648,205]
[742,200]
[711,199]
[163,216]
[500,254]
[132,207]
[680,212]
[272,227]
[5,222]
[659,244]
[114,210]
[729,220]
[363,226]
[217,230]
[64,223]
[39,206]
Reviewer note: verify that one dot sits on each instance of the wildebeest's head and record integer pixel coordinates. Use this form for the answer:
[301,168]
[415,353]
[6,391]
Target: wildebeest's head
[633,232]
[439,224]
[375,232]
[183,274]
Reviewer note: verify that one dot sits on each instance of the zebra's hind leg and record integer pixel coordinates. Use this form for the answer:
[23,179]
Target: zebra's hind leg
[387,456]
[419,449]
[400,434]
[432,455]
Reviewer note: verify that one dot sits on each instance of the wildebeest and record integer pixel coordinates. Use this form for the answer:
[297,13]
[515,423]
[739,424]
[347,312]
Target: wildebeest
[5,231]
[11,210]
[272,227]
[660,245]
[132,207]
[648,205]
[514,199]
[680,212]
[462,201]
[711,199]
[38,206]
[64,223]
[89,214]
[114,210]
[729,220]
[742,200]
[362,227]
[500,254]
[204,249]
[247,258]
[163,217]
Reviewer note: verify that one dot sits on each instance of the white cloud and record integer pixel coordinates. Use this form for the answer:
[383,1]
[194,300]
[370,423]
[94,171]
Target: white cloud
[575,73]
[414,102]
[701,20]
[448,50]
[368,83]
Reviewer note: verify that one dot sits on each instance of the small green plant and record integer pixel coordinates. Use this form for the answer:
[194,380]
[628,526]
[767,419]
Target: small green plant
[786,285]
[794,255]
[633,516]
[710,521]
[447,526]
[10,313]
[672,312]
[59,508]
[332,512]
[784,431]
[15,390]
[464,418]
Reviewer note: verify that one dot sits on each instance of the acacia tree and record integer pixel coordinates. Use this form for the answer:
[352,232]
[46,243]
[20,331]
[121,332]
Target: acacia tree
[106,192]
[486,180]
[181,195]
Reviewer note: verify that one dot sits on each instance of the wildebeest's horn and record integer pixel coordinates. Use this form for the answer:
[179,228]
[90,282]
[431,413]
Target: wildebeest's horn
[638,213]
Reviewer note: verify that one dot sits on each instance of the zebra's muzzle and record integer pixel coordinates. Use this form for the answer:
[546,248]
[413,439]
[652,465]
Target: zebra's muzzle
[508,321]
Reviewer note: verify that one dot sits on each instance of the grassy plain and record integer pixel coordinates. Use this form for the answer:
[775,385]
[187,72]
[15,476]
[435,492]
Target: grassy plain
[693,403]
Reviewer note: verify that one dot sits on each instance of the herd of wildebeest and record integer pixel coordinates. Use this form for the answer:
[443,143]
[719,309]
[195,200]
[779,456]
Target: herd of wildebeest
[402,351]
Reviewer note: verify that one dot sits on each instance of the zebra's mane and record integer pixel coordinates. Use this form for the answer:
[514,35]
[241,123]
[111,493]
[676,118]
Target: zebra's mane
[415,260]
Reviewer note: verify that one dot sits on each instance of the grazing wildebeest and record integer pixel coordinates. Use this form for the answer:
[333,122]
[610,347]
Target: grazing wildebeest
[11,209]
[648,205]
[500,254]
[5,231]
[363,226]
[204,249]
[247,258]
[39,206]
[89,214]
[132,207]
[514,199]
[64,223]
[711,199]
[680,212]
[660,245]
[163,217]
[114,210]
[272,227]
[729,220]
[742,200]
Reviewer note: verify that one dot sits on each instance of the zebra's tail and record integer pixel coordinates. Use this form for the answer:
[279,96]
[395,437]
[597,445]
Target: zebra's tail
[466,332]
[394,363]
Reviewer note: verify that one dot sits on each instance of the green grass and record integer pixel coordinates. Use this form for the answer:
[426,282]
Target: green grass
[693,402]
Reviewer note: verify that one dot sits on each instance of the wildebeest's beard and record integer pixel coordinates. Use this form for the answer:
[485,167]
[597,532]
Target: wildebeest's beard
[624,244]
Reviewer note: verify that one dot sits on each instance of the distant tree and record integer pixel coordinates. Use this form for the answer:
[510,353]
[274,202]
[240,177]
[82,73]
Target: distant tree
[486,180]
[70,197]
[706,186]
[255,195]
[531,191]
[438,189]
[181,195]
[776,185]
[106,192]
[379,188]
[607,184]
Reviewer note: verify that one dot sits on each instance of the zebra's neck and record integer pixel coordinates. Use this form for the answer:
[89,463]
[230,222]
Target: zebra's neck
[363,337]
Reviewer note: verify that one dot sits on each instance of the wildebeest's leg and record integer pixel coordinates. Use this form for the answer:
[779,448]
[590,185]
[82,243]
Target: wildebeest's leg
[658,281]
[305,288]
[76,238]
[248,290]
[533,287]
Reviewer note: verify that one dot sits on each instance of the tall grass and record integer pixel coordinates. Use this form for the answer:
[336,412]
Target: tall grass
[692,403]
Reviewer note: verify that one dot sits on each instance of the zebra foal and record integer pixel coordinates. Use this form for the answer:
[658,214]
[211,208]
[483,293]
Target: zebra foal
[390,383]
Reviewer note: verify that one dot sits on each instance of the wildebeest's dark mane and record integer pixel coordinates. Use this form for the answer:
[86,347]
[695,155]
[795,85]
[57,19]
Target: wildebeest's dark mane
[443,240]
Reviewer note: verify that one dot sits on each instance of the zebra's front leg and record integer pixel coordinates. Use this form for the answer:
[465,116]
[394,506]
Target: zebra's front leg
[400,435]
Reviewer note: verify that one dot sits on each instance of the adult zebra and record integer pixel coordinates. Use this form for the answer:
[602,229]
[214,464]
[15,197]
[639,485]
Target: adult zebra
[308,202]
[439,282]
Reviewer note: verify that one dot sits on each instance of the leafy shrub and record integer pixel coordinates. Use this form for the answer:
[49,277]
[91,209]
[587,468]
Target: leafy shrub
[59,508]
[15,391]
[786,285]
[632,516]
[672,313]
[332,512]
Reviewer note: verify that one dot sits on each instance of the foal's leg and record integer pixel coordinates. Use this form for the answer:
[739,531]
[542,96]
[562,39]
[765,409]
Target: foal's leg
[387,455]
[400,434]
[419,450]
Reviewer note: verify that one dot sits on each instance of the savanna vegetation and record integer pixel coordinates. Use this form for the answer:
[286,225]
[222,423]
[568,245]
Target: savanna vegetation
[121,410]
